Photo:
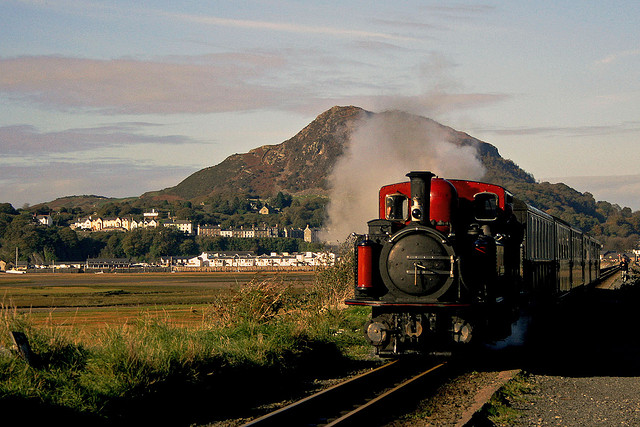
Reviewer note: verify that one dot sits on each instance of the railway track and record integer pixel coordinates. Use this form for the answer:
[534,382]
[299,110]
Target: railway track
[358,398]
[366,396]
[607,272]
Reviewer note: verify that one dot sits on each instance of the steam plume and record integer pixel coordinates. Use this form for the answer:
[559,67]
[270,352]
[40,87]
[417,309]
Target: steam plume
[382,150]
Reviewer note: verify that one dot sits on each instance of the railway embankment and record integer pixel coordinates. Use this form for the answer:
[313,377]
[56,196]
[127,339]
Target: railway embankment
[594,376]
[580,366]
[583,366]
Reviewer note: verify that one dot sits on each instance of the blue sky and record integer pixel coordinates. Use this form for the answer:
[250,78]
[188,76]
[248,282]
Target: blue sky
[118,98]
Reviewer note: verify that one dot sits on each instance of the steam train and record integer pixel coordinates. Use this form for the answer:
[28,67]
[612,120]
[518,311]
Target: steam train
[449,263]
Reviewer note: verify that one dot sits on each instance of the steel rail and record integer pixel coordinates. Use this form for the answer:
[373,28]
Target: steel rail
[608,272]
[275,416]
[382,396]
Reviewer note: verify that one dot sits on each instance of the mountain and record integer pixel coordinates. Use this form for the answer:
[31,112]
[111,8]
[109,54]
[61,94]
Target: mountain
[301,165]
[86,202]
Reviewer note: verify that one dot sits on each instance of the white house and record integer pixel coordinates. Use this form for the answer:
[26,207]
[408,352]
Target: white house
[183,225]
[44,220]
[112,223]
[148,223]
[82,223]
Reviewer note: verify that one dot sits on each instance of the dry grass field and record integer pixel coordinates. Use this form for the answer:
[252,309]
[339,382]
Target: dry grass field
[94,300]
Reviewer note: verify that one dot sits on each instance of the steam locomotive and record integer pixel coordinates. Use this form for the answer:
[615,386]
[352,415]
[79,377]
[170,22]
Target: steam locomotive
[450,262]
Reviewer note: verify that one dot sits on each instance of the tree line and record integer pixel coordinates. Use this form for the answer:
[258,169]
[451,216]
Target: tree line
[617,228]
[39,244]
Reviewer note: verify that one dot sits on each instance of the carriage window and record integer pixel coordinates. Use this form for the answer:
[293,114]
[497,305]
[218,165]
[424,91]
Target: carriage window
[486,206]
[397,207]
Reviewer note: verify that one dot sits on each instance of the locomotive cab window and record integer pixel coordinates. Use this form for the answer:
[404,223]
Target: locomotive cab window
[397,207]
[485,206]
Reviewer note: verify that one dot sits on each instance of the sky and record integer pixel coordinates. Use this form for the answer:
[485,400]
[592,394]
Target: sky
[116,98]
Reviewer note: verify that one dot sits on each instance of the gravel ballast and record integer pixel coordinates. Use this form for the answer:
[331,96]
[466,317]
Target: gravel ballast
[580,366]
[568,401]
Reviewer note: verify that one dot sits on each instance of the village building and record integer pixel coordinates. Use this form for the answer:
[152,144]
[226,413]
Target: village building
[294,233]
[112,224]
[311,235]
[44,220]
[181,224]
[107,263]
[151,215]
[265,210]
[209,230]
[150,220]
[249,260]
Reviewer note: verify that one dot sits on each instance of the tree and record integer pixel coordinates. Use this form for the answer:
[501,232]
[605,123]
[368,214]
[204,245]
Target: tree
[137,243]
[281,200]
[185,213]
[7,208]
[109,210]
[166,242]
[189,247]
[113,249]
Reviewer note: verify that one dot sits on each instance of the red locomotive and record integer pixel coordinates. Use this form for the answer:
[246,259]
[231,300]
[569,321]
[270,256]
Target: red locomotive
[449,262]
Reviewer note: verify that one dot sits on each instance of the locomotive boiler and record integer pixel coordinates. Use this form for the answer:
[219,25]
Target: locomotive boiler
[449,262]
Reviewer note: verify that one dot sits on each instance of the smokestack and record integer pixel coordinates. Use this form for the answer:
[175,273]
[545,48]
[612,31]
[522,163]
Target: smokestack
[420,196]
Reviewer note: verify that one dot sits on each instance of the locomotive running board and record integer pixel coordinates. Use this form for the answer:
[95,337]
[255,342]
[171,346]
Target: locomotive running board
[407,304]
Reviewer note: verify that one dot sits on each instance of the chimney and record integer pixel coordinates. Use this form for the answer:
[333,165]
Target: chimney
[420,196]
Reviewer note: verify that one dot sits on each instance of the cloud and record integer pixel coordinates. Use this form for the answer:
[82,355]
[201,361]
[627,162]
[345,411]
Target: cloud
[49,181]
[615,57]
[577,131]
[95,9]
[22,140]
[214,83]
[200,84]
[429,104]
[287,27]
[438,101]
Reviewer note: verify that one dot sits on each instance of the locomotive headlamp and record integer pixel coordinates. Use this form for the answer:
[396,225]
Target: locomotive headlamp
[420,196]
[416,209]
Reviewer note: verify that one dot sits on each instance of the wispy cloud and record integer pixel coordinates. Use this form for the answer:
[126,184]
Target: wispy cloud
[286,27]
[91,8]
[429,104]
[194,85]
[568,131]
[24,140]
[615,57]
[122,86]
[435,102]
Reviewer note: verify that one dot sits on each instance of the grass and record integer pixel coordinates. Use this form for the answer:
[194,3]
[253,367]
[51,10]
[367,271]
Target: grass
[105,365]
[144,289]
[500,410]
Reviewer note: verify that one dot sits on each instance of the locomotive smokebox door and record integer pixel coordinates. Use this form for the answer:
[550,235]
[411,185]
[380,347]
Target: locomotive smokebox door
[418,262]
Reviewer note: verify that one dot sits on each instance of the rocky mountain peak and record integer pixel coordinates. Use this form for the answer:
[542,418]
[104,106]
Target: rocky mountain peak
[302,164]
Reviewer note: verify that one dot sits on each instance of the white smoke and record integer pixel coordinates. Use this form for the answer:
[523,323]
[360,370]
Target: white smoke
[383,149]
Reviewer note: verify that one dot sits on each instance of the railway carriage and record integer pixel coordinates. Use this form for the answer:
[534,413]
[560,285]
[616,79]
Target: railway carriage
[449,262]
